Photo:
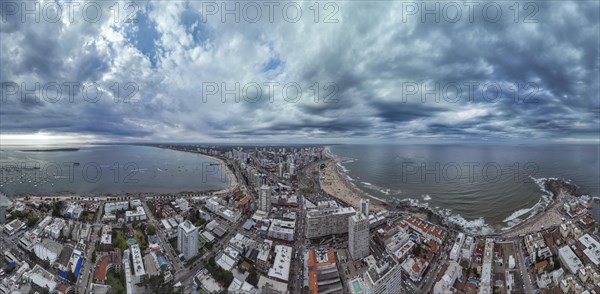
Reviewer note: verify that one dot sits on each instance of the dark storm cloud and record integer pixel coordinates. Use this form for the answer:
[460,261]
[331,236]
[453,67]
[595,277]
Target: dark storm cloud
[401,112]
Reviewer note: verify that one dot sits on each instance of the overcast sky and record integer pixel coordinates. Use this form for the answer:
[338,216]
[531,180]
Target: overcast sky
[385,72]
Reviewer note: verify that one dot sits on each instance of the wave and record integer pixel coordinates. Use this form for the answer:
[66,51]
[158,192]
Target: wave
[382,190]
[426,197]
[517,214]
[544,202]
[342,168]
[476,226]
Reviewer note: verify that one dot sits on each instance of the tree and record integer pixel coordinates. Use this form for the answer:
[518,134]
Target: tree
[151,230]
[31,221]
[556,262]
[94,256]
[155,282]
[252,277]
[417,250]
[56,207]
[45,290]
[71,277]
[227,278]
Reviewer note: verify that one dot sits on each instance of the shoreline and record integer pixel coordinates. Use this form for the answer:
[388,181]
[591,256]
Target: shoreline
[543,220]
[550,217]
[233,181]
[336,185]
[231,186]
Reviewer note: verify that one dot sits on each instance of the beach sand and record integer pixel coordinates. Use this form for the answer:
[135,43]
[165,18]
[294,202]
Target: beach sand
[546,219]
[233,183]
[336,185]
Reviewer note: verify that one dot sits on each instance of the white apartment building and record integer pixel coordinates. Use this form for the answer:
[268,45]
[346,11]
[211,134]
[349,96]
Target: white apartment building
[230,214]
[139,214]
[264,199]
[183,204]
[187,239]
[383,277]
[486,267]
[280,229]
[569,260]
[138,264]
[358,236]
[327,219]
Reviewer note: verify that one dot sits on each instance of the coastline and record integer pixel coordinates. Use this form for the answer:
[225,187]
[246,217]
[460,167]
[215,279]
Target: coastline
[550,217]
[543,220]
[336,185]
[233,184]
[233,181]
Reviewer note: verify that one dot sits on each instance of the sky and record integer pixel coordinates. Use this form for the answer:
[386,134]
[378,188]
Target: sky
[330,72]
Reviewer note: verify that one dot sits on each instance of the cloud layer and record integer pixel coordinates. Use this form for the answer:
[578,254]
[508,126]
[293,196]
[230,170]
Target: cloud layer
[381,71]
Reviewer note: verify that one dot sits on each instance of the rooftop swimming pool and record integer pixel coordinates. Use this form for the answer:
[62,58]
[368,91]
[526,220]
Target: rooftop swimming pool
[356,286]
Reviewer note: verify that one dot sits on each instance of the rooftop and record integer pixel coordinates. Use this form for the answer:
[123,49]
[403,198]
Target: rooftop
[381,268]
[187,226]
[138,262]
[329,210]
[281,264]
[426,227]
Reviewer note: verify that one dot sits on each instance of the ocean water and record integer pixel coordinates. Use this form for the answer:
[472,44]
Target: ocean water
[107,169]
[483,188]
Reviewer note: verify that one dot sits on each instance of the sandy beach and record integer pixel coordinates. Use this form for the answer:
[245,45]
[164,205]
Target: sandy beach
[546,219]
[336,185]
[233,183]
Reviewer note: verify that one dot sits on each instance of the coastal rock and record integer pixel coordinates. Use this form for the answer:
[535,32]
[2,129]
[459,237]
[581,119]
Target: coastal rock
[555,186]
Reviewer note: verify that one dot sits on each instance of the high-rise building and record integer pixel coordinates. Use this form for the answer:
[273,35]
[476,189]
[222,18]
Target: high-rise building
[383,277]
[4,204]
[187,239]
[596,210]
[364,207]
[264,201]
[280,174]
[358,236]
[327,219]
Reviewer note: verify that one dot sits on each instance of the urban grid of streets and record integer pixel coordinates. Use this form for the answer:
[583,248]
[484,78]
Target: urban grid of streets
[308,178]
